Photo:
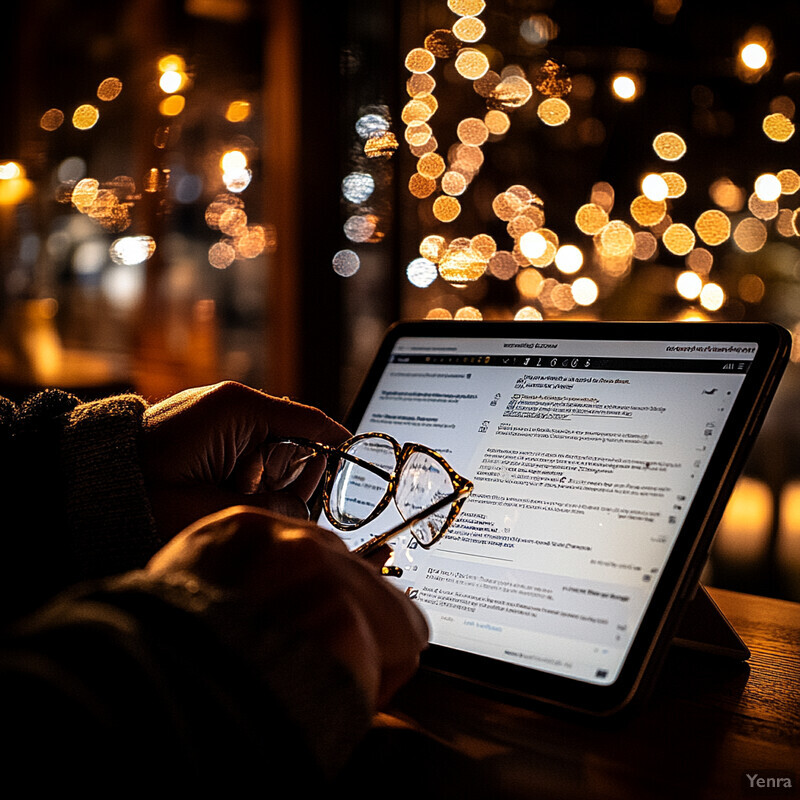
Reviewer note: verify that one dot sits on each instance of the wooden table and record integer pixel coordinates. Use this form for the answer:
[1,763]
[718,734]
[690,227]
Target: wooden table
[709,724]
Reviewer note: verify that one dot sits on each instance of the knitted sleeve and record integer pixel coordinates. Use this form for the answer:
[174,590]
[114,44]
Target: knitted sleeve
[110,523]
[72,494]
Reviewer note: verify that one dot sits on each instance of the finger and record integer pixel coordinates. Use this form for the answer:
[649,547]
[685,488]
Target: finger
[288,418]
[261,415]
[286,465]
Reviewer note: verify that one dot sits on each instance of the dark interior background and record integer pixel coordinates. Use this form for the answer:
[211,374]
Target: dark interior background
[284,320]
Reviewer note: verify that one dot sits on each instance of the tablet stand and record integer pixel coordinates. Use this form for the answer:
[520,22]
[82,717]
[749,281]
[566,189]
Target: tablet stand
[706,629]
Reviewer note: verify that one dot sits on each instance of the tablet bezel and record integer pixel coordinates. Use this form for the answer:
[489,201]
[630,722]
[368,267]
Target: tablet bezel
[688,557]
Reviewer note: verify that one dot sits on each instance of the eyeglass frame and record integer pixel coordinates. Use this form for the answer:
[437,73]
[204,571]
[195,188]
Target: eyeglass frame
[462,486]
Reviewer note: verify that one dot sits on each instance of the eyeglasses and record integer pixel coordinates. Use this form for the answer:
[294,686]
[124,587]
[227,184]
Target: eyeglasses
[364,473]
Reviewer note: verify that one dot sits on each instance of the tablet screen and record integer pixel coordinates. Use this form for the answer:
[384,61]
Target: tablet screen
[587,455]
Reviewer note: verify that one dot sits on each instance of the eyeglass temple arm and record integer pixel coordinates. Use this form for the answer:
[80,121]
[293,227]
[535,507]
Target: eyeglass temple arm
[369,547]
[332,450]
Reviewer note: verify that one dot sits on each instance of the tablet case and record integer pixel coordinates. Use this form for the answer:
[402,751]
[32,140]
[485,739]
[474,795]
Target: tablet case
[704,628]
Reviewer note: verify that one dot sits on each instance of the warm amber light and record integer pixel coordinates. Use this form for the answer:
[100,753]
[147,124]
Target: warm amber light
[468,312]
[676,184]
[471,63]
[585,291]
[655,187]
[768,187]
[469,29]
[689,285]
[503,266]
[553,111]
[548,255]
[616,239]
[420,186]
[466,8]
[380,146]
[712,297]
[624,87]
[453,183]
[472,131]
[778,127]
[461,264]
[84,193]
[788,545]
[85,117]
[420,60]
[417,133]
[132,250]
[754,55]
[669,146]
[446,208]
[109,89]
[233,160]
[11,170]
[591,218]
[713,227]
[497,122]
[417,109]
[726,194]
[172,106]
[529,283]
[238,111]
[751,288]
[171,62]
[648,212]
[745,526]
[52,119]
[679,239]
[569,259]
[533,244]
[433,248]
[528,314]
[750,235]
[171,81]
[14,186]
[790,181]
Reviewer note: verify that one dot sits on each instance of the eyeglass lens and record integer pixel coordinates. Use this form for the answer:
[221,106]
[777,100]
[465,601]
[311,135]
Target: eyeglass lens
[356,492]
[422,481]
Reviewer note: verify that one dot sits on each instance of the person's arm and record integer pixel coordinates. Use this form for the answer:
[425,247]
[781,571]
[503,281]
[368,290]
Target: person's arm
[94,489]
[250,648]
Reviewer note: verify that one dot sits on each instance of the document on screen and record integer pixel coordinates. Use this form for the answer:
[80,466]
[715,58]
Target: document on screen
[585,457]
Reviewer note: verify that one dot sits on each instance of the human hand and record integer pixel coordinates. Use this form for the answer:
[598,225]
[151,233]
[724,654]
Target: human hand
[337,602]
[203,450]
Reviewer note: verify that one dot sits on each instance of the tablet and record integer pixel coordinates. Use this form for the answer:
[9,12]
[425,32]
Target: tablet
[602,456]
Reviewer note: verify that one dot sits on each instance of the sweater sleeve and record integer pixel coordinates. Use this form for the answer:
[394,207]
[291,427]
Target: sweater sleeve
[155,684]
[111,526]
[73,494]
